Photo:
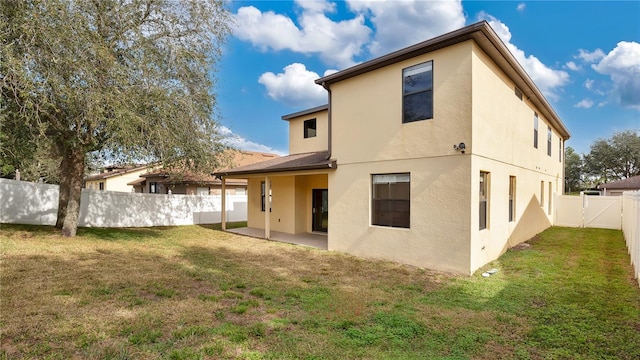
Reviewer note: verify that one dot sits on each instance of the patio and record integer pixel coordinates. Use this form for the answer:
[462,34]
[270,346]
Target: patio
[314,240]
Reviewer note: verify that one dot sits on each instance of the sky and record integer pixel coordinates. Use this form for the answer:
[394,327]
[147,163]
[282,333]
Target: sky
[583,55]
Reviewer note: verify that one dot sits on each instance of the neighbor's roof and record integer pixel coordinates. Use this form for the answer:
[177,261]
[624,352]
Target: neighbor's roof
[306,161]
[628,183]
[487,40]
[116,172]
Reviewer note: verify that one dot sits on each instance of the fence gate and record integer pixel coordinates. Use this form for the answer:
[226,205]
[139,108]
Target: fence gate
[603,212]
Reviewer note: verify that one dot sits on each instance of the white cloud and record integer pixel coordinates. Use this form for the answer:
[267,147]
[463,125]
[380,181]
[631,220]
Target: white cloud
[584,103]
[521,7]
[572,66]
[588,84]
[402,23]
[590,57]
[295,86]
[238,142]
[622,64]
[548,80]
[337,43]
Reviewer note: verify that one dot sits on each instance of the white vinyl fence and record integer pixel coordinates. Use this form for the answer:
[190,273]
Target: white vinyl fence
[589,211]
[631,227]
[33,203]
[608,212]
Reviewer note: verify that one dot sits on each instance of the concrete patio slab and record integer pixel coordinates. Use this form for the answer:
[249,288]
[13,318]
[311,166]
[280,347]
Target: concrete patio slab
[314,240]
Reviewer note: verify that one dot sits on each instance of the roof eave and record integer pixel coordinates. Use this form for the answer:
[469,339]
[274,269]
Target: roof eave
[326,166]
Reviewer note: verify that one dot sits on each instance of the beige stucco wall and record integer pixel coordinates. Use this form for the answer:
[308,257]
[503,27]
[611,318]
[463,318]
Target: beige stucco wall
[439,221]
[370,138]
[298,144]
[502,144]
[367,111]
[291,202]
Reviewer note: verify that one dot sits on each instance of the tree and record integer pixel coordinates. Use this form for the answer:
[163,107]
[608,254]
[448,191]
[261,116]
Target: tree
[615,158]
[130,79]
[572,169]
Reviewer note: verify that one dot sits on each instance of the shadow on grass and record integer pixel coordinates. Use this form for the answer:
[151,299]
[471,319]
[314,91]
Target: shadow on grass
[230,225]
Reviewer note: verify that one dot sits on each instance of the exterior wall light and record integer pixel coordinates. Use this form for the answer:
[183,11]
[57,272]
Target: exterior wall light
[460,147]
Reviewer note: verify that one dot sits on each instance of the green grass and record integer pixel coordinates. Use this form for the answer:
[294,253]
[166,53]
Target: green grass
[194,292]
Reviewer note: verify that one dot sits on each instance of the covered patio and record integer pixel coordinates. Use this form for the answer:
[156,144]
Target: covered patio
[314,240]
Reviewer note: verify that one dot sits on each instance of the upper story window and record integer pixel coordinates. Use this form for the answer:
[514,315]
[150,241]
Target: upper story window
[560,149]
[535,130]
[309,128]
[549,140]
[417,92]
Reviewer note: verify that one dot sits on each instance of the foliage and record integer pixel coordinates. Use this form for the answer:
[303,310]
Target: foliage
[201,293]
[131,79]
[615,158]
[572,169]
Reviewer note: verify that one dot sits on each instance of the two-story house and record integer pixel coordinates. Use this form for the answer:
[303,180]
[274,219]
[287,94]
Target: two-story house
[440,155]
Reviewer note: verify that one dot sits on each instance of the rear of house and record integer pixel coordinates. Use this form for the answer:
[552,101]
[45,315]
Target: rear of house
[441,155]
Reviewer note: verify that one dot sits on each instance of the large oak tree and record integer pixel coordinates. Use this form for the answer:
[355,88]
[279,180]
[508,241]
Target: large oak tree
[131,79]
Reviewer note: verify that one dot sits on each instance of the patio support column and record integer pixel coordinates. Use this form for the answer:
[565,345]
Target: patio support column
[223,210]
[267,210]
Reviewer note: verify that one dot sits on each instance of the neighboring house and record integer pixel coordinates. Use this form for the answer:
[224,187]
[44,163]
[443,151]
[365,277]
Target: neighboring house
[115,178]
[616,188]
[185,182]
[440,155]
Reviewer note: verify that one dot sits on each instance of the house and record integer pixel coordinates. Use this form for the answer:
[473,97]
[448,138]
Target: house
[441,155]
[616,188]
[160,181]
[115,178]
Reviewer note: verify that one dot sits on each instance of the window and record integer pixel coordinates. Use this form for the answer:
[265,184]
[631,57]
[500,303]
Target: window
[542,194]
[263,197]
[560,149]
[310,128]
[417,92]
[101,185]
[549,201]
[549,140]
[512,198]
[390,200]
[484,199]
[535,130]
[154,188]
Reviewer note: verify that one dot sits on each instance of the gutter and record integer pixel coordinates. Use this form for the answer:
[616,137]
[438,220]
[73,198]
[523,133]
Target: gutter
[330,134]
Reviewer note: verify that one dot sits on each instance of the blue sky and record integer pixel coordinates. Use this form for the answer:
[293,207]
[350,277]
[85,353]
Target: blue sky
[583,55]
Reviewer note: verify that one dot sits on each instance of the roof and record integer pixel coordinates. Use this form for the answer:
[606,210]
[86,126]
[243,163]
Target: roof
[117,172]
[306,112]
[487,40]
[628,183]
[306,161]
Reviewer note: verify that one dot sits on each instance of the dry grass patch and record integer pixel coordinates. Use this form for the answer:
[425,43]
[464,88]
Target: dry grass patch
[194,292]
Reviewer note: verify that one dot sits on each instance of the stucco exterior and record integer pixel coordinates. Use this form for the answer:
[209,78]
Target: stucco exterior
[481,98]
[115,180]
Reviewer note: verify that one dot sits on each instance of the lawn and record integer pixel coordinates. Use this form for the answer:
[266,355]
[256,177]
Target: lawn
[194,292]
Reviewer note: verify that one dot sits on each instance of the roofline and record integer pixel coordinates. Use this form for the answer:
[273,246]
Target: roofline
[305,112]
[477,32]
[331,165]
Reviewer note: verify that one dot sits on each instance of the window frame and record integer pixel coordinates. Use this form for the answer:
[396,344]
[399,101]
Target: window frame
[428,92]
[154,188]
[549,137]
[512,198]
[263,197]
[307,127]
[535,130]
[392,207]
[483,200]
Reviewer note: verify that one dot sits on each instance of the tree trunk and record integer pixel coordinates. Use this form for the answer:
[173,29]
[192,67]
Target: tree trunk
[63,198]
[75,174]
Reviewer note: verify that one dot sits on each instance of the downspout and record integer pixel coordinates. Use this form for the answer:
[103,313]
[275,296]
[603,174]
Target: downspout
[328,88]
